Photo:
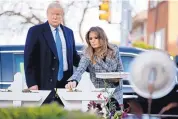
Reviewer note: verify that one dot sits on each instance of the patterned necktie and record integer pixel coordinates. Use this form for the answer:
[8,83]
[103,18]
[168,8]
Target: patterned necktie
[60,54]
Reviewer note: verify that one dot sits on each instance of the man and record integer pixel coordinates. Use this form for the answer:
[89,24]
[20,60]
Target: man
[50,53]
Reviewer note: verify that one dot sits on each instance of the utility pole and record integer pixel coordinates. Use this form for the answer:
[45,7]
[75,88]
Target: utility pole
[126,21]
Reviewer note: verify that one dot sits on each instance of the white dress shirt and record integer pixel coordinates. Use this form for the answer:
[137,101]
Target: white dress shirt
[63,41]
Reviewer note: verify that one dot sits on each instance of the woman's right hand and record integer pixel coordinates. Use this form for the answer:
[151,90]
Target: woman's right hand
[71,85]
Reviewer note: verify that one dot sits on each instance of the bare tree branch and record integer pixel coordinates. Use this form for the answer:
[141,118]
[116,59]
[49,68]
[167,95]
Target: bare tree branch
[83,18]
[28,19]
[66,10]
[70,4]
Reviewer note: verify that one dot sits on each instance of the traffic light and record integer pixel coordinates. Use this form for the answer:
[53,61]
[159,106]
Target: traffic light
[105,7]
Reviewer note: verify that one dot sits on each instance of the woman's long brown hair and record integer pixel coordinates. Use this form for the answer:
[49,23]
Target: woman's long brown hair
[105,49]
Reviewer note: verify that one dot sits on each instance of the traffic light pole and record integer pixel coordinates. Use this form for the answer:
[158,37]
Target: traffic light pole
[126,22]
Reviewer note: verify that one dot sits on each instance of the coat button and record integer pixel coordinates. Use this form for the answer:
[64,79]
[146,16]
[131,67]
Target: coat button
[54,57]
[53,69]
[51,80]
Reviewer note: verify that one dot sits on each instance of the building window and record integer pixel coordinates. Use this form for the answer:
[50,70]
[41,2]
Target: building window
[160,1]
[159,40]
[151,40]
[154,3]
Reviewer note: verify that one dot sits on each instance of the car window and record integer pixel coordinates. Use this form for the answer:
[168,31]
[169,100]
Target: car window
[126,60]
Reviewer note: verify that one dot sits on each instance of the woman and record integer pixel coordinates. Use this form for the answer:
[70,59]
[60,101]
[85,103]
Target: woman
[98,57]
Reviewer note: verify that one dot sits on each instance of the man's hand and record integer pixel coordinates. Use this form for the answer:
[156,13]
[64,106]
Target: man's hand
[70,85]
[35,87]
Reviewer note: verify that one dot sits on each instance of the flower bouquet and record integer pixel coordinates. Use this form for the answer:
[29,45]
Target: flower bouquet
[109,109]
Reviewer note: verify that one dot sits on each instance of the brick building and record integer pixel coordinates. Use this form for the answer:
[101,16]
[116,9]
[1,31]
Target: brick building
[162,25]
